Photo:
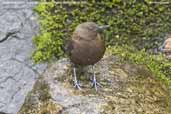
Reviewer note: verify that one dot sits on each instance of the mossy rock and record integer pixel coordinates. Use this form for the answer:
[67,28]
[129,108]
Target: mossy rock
[39,101]
[126,89]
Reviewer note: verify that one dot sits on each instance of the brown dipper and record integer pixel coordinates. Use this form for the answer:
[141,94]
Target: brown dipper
[86,47]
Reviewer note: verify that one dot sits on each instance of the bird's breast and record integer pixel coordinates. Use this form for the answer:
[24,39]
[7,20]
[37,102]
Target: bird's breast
[87,52]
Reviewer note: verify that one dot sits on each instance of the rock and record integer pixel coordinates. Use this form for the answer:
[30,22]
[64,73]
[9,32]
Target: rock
[39,102]
[17,71]
[127,89]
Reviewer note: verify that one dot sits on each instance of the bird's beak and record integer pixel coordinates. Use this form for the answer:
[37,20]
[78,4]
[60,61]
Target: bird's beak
[101,28]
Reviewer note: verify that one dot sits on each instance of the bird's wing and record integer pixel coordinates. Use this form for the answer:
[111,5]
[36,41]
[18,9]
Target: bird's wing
[69,47]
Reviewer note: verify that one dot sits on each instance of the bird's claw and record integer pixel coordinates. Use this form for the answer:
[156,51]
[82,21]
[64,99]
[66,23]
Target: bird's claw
[77,85]
[95,84]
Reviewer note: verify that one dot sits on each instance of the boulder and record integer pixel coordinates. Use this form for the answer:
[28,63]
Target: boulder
[18,73]
[126,89]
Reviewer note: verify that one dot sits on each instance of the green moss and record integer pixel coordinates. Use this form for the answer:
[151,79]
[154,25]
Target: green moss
[157,64]
[134,23]
[138,92]
[131,22]
[38,101]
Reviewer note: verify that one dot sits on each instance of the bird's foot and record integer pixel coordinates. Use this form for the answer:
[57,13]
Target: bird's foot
[95,84]
[77,85]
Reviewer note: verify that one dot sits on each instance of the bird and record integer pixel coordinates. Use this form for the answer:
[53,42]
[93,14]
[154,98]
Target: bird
[166,46]
[86,47]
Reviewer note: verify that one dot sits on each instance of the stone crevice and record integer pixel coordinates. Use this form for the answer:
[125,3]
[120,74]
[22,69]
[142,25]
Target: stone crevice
[8,35]
[6,79]
[26,65]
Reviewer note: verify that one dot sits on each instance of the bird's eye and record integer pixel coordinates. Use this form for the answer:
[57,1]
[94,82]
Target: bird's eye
[90,28]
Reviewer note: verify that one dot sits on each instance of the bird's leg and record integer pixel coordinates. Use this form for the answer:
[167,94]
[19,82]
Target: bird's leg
[76,83]
[94,82]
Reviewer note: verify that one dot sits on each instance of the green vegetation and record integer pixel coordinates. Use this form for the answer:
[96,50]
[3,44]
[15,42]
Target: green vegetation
[157,64]
[132,22]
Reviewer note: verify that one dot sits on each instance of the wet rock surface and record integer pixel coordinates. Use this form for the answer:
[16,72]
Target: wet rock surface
[17,72]
[126,89]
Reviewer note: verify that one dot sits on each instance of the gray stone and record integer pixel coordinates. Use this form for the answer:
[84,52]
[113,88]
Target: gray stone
[18,73]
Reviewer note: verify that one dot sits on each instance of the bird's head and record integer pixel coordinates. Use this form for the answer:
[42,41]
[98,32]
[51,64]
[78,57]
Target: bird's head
[89,30]
[92,27]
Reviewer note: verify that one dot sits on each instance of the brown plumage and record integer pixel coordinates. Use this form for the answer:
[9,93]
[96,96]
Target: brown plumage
[86,46]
